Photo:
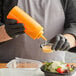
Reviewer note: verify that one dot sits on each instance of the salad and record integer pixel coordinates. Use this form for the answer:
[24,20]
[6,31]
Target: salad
[58,67]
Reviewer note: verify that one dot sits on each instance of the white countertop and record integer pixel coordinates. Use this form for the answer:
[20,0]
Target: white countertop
[21,72]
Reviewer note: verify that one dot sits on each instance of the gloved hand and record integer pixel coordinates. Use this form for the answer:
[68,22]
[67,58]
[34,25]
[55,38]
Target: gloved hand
[60,43]
[13,28]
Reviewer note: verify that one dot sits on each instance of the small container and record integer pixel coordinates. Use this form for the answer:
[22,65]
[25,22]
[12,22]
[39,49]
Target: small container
[46,47]
[47,73]
[32,27]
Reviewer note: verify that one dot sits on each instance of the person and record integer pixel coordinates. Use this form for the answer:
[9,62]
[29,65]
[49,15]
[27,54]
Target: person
[58,17]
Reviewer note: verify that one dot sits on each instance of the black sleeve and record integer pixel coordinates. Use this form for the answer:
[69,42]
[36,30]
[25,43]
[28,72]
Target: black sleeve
[1,12]
[7,6]
[70,18]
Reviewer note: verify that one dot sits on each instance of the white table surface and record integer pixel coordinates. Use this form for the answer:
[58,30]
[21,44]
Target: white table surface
[20,72]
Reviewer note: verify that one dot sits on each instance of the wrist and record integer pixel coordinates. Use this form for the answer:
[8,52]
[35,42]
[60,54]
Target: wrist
[71,39]
[3,34]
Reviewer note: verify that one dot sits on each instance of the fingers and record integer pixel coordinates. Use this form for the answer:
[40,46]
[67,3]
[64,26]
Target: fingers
[15,26]
[60,43]
[10,21]
[66,46]
[14,32]
[14,29]
[56,40]
[18,33]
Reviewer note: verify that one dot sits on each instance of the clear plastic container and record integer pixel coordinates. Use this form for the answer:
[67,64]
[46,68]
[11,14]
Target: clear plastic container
[26,64]
[46,47]
[22,67]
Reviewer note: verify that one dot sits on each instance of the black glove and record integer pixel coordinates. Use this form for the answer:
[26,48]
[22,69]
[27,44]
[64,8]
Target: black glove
[60,43]
[13,28]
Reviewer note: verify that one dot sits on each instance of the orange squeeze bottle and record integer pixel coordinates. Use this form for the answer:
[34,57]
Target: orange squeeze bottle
[32,28]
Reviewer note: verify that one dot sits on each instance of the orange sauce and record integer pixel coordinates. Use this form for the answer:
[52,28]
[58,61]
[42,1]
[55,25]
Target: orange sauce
[47,49]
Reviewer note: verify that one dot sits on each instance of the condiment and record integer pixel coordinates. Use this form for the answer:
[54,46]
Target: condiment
[32,28]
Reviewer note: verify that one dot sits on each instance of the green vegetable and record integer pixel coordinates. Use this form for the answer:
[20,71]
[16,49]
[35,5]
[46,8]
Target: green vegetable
[71,69]
[47,64]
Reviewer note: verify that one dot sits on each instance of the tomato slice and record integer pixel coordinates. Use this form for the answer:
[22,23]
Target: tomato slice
[60,70]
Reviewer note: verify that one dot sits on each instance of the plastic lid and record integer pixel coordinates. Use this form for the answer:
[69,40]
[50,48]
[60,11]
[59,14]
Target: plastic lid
[24,63]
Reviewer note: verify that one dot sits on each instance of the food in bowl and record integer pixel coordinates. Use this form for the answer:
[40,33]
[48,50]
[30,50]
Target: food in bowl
[57,68]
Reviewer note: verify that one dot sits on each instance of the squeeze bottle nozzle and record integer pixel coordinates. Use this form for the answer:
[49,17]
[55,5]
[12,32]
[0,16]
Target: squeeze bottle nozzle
[32,28]
[43,37]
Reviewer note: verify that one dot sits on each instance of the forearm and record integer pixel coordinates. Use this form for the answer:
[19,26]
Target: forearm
[71,40]
[70,23]
[3,35]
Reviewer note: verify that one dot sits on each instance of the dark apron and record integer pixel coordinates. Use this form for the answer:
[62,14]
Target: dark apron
[50,14]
